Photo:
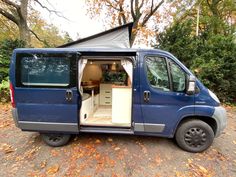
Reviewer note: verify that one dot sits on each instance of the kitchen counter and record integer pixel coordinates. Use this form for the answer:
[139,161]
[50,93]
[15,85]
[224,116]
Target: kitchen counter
[120,86]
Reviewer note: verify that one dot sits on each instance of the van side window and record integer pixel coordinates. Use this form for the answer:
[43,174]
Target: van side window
[178,77]
[157,73]
[45,71]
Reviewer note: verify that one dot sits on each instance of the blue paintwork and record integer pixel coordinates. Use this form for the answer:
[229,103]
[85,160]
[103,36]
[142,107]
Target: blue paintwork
[46,105]
[164,107]
[43,104]
[169,108]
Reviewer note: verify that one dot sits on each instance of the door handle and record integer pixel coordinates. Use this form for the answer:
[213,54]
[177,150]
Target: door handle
[69,95]
[146,96]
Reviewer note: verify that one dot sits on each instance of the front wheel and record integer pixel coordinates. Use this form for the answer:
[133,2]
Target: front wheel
[194,136]
[55,140]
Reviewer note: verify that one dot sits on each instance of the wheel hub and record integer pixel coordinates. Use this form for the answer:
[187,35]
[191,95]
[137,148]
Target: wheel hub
[195,137]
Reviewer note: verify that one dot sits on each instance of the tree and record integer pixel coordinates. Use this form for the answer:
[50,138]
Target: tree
[179,39]
[211,56]
[17,12]
[122,11]
[67,37]
[46,35]
[218,16]
[6,48]
[8,30]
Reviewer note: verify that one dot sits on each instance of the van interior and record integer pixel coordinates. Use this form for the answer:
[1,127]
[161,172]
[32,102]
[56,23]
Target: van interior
[106,88]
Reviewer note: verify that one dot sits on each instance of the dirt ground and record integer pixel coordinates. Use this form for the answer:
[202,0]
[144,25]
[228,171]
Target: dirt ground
[25,154]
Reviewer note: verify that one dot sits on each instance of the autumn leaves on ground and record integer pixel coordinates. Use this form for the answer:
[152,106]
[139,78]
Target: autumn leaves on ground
[24,154]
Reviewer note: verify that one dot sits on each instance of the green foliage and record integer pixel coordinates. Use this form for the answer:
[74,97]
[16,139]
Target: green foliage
[212,56]
[179,41]
[216,65]
[4,91]
[6,48]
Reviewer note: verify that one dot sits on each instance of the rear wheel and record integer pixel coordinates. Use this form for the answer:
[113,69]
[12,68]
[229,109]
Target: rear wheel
[55,140]
[194,136]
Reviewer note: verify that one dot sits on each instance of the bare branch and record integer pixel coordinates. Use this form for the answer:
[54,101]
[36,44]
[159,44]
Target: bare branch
[136,6]
[148,16]
[141,5]
[152,6]
[50,10]
[38,38]
[132,9]
[9,16]
[109,4]
[11,4]
[122,13]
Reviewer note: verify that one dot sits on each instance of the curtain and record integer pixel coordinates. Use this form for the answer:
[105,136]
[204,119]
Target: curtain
[81,65]
[128,66]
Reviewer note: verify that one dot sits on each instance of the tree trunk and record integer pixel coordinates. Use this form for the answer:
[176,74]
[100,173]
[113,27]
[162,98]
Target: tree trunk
[134,33]
[23,26]
[24,32]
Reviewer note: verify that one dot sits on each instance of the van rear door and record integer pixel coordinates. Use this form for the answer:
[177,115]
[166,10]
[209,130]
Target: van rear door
[45,91]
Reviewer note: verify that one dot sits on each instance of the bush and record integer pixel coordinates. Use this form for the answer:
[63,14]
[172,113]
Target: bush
[6,48]
[213,56]
[217,66]
[4,91]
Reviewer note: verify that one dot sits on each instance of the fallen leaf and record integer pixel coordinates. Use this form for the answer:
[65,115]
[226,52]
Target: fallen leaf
[110,139]
[53,169]
[117,148]
[7,148]
[54,153]
[97,141]
[4,124]
[43,164]
[158,160]
[204,170]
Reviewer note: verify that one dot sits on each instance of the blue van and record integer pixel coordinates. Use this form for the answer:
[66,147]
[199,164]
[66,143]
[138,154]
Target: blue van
[64,91]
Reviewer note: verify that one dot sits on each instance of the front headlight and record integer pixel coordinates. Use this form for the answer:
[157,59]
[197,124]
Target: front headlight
[214,96]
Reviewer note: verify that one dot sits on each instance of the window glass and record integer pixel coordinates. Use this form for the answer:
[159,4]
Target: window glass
[45,71]
[157,73]
[178,77]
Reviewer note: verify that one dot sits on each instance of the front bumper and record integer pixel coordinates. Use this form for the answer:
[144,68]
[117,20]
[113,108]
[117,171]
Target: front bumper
[220,117]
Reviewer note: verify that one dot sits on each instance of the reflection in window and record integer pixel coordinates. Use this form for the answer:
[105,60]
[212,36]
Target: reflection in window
[157,73]
[45,71]
[178,77]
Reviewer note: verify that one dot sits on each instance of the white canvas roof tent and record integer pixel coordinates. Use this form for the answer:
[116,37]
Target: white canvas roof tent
[118,37]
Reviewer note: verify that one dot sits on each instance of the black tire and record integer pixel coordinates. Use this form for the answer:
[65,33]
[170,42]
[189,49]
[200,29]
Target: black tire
[194,136]
[55,140]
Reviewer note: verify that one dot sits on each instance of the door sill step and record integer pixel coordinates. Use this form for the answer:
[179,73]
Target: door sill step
[115,130]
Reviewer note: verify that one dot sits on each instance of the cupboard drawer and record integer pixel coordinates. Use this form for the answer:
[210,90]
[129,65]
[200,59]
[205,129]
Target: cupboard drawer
[105,102]
[105,86]
[106,98]
[106,91]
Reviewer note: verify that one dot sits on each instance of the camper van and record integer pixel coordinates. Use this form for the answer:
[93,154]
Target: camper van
[63,91]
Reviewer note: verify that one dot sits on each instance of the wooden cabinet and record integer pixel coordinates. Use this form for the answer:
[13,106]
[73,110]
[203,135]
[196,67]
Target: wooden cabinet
[121,105]
[105,94]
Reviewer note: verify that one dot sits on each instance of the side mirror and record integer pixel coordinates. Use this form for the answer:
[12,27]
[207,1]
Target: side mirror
[191,85]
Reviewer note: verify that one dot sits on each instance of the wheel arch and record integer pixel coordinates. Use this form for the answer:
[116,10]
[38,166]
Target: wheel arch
[209,120]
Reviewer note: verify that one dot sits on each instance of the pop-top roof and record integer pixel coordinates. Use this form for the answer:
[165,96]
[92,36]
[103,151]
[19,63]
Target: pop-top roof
[118,37]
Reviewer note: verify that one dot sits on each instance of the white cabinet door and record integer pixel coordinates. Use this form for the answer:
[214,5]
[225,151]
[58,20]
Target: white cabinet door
[121,105]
